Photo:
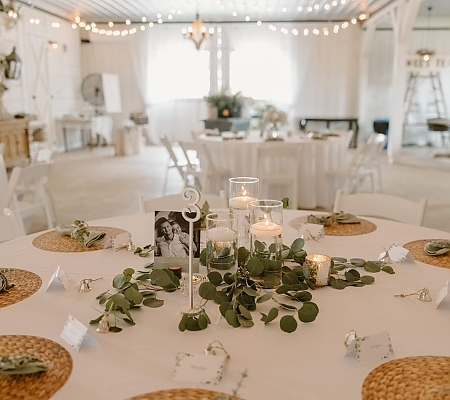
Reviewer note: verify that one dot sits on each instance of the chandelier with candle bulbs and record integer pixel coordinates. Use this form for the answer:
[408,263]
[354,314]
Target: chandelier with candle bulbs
[197,32]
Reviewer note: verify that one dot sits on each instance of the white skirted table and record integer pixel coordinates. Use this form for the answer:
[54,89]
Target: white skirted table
[309,363]
[318,157]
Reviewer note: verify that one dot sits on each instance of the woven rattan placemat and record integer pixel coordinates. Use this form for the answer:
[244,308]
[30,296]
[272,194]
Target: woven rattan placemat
[26,283]
[52,241]
[411,378]
[181,394]
[416,249]
[37,386]
[339,229]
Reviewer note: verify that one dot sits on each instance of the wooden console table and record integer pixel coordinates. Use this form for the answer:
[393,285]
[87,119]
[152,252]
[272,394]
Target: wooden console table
[352,125]
[14,134]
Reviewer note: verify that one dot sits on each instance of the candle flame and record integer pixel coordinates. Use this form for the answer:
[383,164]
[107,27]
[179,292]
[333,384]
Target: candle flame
[243,191]
[266,220]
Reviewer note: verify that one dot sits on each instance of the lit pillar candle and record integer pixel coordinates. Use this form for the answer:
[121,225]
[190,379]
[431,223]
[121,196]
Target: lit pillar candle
[241,202]
[265,229]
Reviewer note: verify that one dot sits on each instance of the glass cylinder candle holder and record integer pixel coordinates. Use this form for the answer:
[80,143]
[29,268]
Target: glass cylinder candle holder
[266,229]
[221,243]
[317,268]
[243,190]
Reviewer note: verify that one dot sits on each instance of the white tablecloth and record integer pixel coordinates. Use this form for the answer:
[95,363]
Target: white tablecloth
[308,364]
[317,158]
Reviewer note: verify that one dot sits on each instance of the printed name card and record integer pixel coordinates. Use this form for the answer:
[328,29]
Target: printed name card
[396,253]
[311,231]
[369,349]
[199,368]
[59,278]
[75,333]
[118,242]
[443,293]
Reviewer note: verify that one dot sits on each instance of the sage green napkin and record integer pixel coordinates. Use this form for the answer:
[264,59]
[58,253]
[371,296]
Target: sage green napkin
[437,247]
[80,232]
[333,218]
[21,365]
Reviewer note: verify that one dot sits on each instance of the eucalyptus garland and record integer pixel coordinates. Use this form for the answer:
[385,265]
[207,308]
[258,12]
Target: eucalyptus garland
[5,286]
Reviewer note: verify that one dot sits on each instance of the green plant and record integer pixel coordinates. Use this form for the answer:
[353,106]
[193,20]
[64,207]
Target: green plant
[223,101]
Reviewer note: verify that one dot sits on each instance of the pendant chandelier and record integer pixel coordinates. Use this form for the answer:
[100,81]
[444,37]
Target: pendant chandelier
[197,32]
[425,53]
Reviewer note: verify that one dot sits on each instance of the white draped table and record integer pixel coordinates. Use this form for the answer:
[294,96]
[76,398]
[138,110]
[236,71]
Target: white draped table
[308,364]
[318,157]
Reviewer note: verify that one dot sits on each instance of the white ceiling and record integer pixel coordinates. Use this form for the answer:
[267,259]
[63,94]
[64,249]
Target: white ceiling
[173,11]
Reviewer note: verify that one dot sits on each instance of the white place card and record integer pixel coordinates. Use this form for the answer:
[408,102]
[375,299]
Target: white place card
[118,242]
[397,253]
[443,293]
[75,333]
[58,279]
[311,231]
[199,368]
[369,349]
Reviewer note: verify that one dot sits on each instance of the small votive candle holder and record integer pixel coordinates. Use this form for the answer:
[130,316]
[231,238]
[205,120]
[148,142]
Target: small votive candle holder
[242,191]
[317,268]
[266,228]
[221,243]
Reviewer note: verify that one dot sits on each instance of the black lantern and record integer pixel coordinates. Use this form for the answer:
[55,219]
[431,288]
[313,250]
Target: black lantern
[13,65]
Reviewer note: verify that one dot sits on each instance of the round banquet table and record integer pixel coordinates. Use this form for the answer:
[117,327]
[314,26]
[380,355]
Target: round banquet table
[309,363]
[318,157]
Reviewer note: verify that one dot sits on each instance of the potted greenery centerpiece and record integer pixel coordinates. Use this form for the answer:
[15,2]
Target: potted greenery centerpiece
[228,105]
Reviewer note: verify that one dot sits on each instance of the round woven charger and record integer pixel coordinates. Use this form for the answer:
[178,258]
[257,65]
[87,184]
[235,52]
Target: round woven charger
[41,385]
[181,394]
[26,283]
[350,229]
[339,229]
[411,378]
[416,248]
[53,241]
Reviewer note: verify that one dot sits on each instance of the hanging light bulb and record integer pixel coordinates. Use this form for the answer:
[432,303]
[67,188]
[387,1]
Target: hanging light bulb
[425,52]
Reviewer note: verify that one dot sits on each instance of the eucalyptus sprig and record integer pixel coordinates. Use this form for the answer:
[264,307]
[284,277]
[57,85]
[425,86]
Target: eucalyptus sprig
[134,292]
[5,286]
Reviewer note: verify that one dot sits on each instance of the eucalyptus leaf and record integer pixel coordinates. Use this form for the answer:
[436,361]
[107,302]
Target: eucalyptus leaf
[224,307]
[307,313]
[297,245]
[220,297]
[338,284]
[271,280]
[115,329]
[202,321]
[358,262]
[152,302]
[272,315]
[246,323]
[96,320]
[159,277]
[371,266]
[143,277]
[250,291]
[288,306]
[255,267]
[302,296]
[289,278]
[232,318]
[215,278]
[207,291]
[244,312]
[288,323]
[133,295]
[339,259]
[349,276]
[367,279]
[388,269]
[265,297]
[119,300]
[119,281]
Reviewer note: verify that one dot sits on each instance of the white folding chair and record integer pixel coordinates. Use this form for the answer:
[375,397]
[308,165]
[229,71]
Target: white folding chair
[10,226]
[178,162]
[279,164]
[382,206]
[174,202]
[363,165]
[28,191]
[202,167]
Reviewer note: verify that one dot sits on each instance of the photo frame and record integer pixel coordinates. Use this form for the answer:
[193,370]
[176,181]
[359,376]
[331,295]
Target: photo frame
[171,233]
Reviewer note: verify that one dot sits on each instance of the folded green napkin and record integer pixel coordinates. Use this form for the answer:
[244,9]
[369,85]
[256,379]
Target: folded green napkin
[20,365]
[80,232]
[332,219]
[437,247]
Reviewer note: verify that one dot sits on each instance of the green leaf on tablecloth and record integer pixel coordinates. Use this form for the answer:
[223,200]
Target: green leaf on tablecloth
[250,291]
[367,279]
[202,321]
[96,320]
[289,278]
[215,278]
[244,312]
[288,323]
[246,323]
[255,267]
[232,319]
[160,277]
[308,312]
[207,291]
[372,266]
[271,316]
[224,307]
[388,269]
[115,329]
[357,262]
[302,296]
[264,298]
[220,297]
[337,284]
[153,302]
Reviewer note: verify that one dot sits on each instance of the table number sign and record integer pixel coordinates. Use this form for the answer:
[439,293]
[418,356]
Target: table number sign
[59,278]
[443,293]
[369,349]
[199,368]
[75,334]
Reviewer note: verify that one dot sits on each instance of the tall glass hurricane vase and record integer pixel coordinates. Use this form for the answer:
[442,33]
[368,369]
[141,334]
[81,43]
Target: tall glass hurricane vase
[266,228]
[243,190]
